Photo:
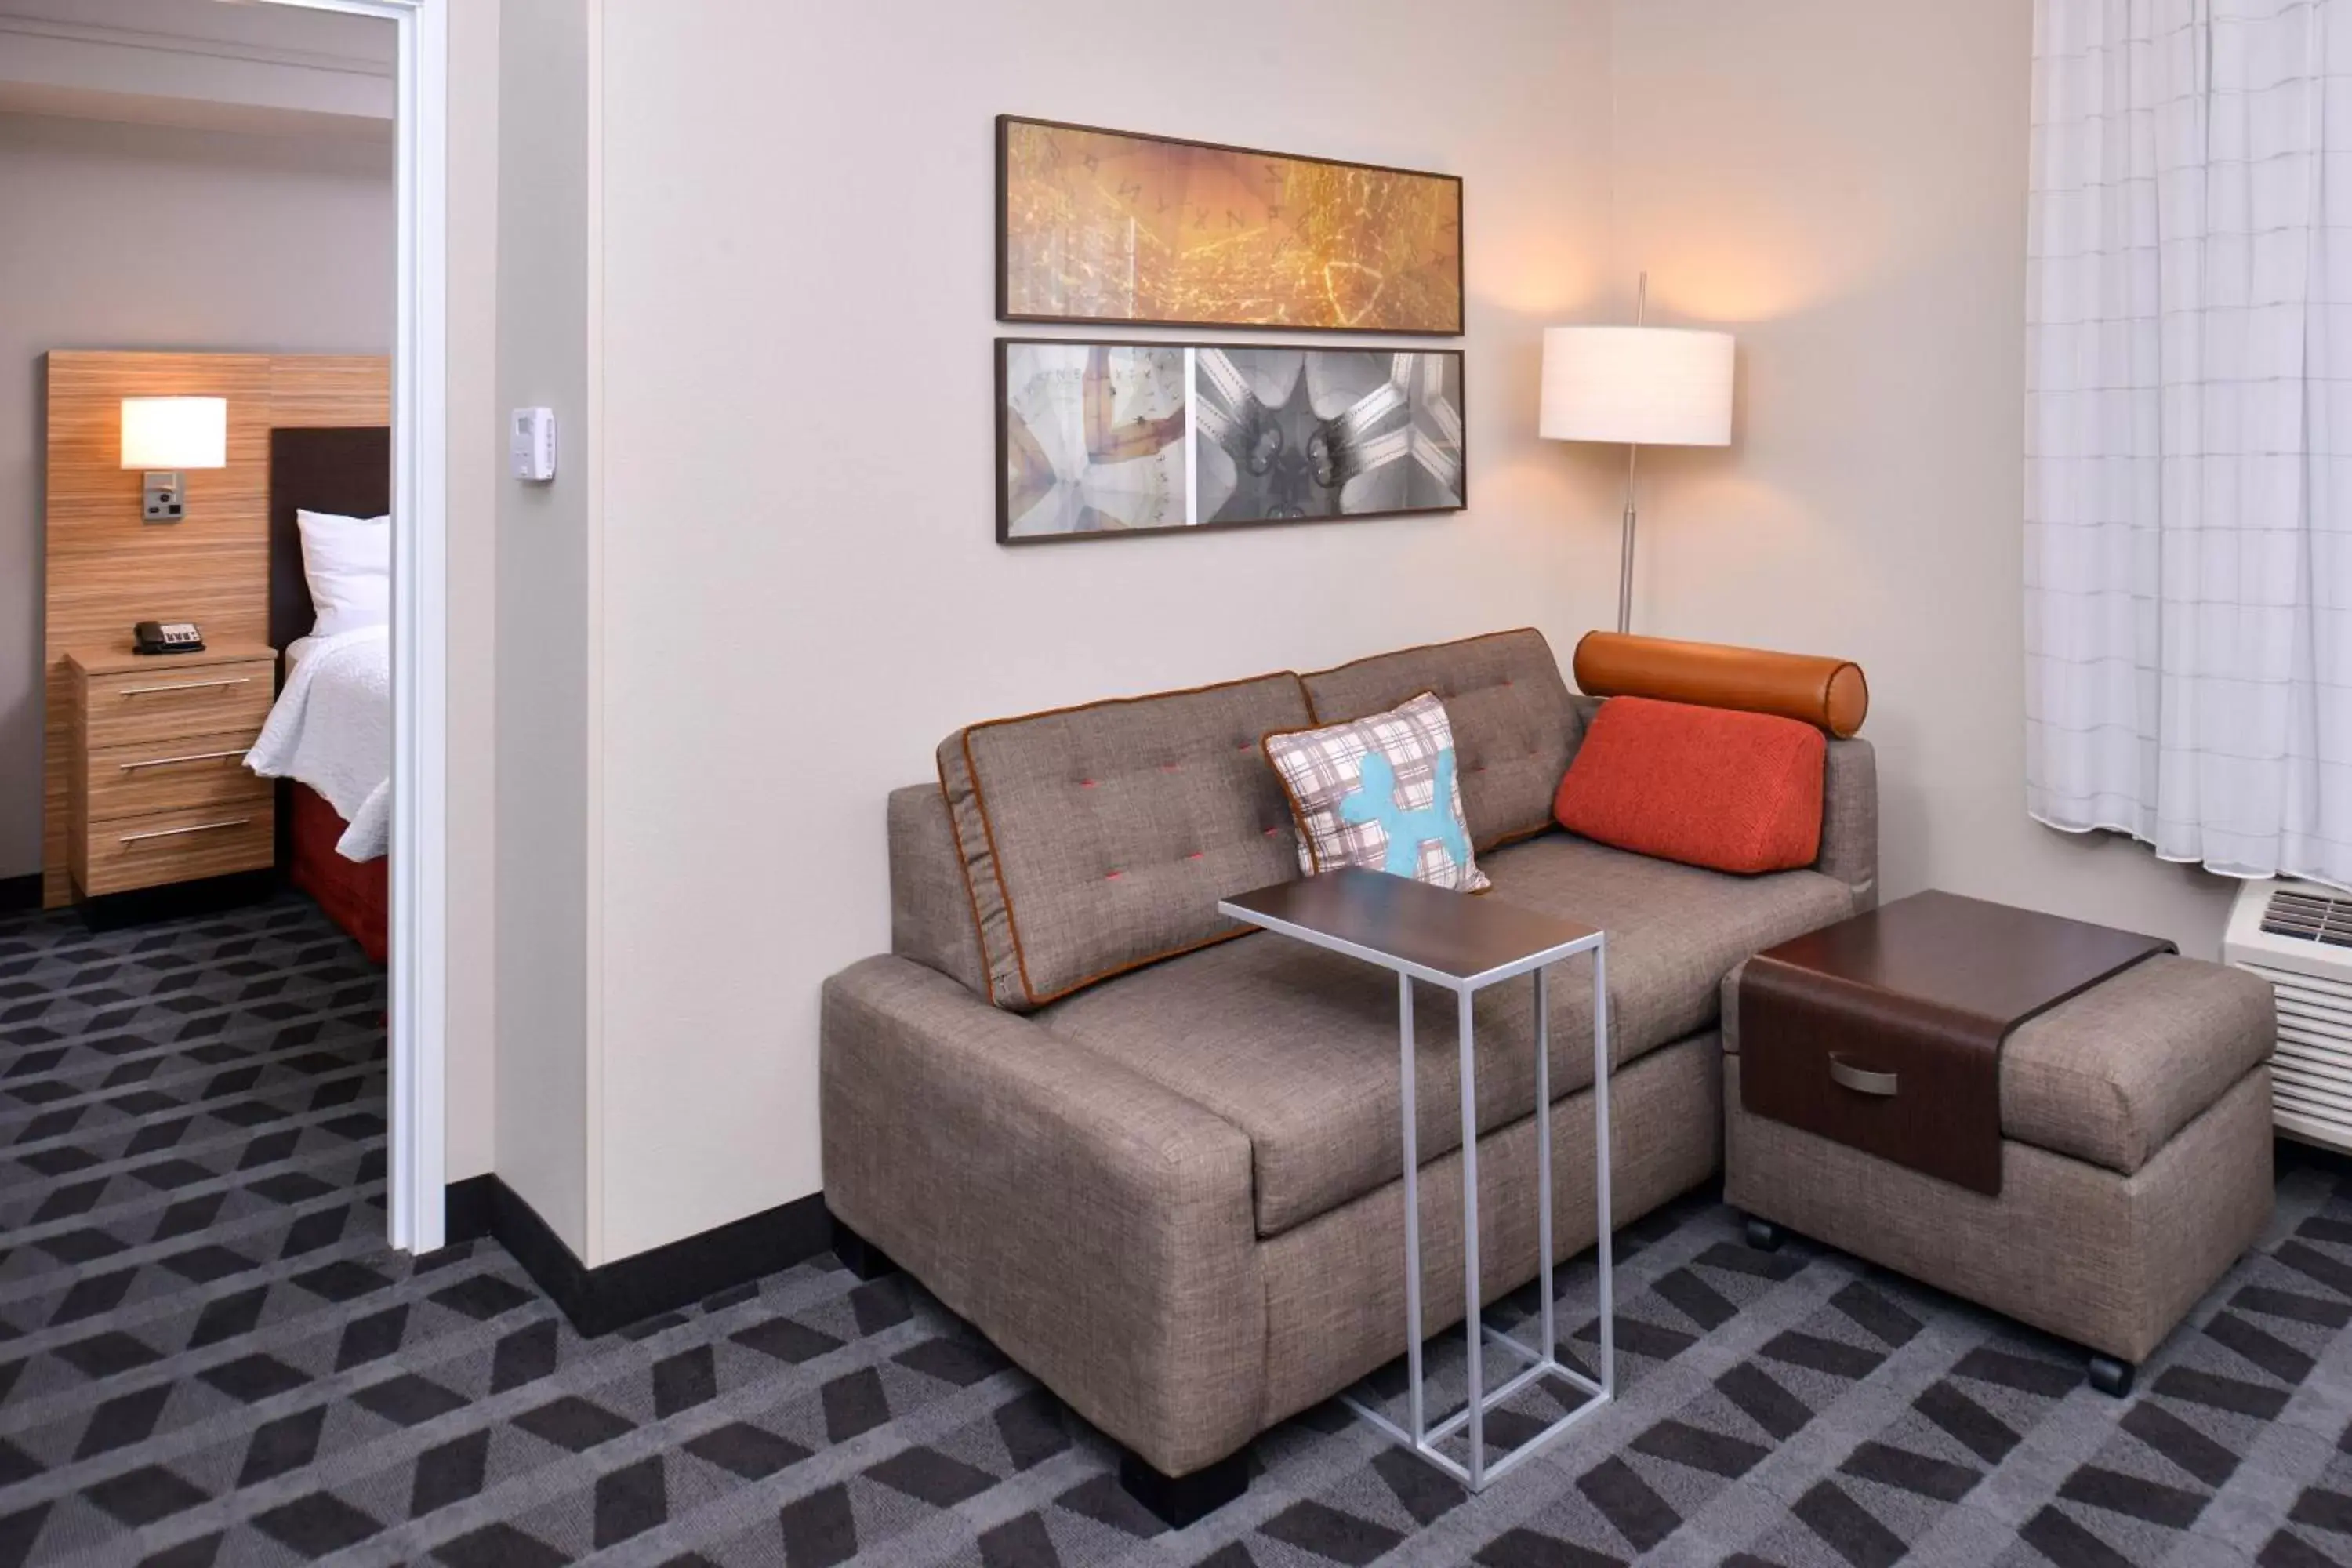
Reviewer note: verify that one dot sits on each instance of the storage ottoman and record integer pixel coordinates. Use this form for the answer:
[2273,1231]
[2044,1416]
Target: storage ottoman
[2135,1158]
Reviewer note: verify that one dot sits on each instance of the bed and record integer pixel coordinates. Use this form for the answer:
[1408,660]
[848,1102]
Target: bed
[328,740]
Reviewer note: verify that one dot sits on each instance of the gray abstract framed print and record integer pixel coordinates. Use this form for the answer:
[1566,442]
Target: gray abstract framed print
[1102,439]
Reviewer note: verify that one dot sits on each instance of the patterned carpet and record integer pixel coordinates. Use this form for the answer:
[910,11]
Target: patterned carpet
[207,1356]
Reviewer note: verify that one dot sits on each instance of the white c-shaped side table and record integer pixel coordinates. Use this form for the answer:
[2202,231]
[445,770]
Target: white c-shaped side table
[1466,944]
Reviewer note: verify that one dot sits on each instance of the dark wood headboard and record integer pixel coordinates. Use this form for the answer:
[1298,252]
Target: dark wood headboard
[345,470]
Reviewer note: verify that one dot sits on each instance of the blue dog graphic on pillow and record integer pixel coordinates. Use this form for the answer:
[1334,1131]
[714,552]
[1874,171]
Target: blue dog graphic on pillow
[1375,800]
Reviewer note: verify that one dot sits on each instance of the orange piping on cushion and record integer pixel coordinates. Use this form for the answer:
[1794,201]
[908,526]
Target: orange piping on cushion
[964,864]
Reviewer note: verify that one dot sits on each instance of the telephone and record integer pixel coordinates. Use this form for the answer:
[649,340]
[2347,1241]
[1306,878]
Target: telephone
[167,636]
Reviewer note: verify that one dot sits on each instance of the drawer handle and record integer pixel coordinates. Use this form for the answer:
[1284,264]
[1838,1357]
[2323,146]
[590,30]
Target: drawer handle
[1861,1081]
[176,832]
[191,757]
[185,686]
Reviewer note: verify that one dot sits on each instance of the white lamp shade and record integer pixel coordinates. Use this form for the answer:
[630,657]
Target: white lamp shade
[1642,386]
[175,432]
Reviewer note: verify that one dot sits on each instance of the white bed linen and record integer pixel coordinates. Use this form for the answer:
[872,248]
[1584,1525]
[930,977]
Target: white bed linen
[331,730]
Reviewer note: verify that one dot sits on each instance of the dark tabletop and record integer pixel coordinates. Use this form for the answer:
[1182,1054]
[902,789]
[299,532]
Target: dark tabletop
[1976,959]
[1457,934]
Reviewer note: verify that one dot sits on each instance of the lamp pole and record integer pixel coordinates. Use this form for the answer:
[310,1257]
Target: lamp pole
[1633,451]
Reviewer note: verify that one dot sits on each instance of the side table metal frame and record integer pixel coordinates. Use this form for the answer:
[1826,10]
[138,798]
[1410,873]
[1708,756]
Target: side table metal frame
[1419,1435]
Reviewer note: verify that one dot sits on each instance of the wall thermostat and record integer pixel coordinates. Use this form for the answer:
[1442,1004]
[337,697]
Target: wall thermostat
[532,444]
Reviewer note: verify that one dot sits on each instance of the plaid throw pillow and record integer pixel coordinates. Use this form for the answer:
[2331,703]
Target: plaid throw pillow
[1380,793]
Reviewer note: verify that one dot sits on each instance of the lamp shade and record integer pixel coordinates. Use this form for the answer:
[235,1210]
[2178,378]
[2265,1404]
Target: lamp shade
[175,432]
[1643,386]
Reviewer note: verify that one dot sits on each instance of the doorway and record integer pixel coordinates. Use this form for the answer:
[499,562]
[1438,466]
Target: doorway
[417,1011]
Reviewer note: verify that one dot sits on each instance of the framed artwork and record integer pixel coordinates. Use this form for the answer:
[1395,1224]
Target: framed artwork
[1109,226]
[1097,439]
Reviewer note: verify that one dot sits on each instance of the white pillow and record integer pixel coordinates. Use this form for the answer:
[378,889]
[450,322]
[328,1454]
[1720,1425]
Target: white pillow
[349,563]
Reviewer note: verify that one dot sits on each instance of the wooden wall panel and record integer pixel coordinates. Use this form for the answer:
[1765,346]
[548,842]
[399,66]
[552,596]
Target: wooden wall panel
[331,390]
[107,568]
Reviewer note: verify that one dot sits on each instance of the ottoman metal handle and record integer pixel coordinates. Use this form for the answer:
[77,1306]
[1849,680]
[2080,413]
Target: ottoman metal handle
[1861,1081]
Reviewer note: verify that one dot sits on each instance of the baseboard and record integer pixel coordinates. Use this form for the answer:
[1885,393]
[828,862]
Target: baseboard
[599,1300]
[466,1208]
[2289,1153]
[20,892]
[178,900]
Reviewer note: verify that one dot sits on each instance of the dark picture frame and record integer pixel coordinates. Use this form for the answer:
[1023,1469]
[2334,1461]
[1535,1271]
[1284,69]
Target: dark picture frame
[1407,435]
[1015,299]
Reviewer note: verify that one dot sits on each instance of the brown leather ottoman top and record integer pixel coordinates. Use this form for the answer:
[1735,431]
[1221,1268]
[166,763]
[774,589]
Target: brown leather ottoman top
[1884,1032]
[2109,1075]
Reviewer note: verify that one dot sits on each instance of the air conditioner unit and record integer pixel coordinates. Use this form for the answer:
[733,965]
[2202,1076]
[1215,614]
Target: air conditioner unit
[2298,936]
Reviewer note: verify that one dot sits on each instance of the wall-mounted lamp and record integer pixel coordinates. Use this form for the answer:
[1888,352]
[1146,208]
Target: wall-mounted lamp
[165,435]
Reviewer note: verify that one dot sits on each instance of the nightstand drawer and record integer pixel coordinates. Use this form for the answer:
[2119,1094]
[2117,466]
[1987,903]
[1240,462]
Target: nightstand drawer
[140,706]
[174,847]
[171,775]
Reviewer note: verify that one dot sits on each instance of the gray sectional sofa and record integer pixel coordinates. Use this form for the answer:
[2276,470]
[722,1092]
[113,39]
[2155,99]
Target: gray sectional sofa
[1155,1157]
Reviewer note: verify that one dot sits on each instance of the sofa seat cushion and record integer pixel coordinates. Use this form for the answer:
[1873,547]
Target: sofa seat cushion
[1299,1047]
[2108,1077]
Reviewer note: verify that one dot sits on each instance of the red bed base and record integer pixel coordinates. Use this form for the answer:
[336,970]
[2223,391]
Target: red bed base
[354,893]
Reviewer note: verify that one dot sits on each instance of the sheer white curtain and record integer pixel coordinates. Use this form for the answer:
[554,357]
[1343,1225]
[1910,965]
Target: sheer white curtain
[2189,429]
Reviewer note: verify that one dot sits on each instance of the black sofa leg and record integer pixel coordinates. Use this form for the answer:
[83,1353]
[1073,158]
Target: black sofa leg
[2110,1376]
[861,1256]
[1179,1500]
[1764,1235]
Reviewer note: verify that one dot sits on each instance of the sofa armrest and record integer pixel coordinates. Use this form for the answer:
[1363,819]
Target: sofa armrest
[1096,1226]
[1850,820]
[930,907]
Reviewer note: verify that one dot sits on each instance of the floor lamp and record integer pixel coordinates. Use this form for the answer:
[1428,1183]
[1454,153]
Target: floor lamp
[1637,387]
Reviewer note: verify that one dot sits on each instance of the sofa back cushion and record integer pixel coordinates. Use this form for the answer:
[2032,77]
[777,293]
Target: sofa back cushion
[1514,721]
[1707,786]
[1098,838]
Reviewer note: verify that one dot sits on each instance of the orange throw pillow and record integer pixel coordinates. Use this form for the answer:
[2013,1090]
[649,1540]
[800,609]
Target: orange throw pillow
[1734,791]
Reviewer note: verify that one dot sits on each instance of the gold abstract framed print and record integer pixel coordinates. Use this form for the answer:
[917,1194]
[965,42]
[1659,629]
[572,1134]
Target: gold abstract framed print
[1113,227]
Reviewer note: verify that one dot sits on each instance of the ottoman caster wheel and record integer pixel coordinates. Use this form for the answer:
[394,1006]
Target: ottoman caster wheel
[2110,1376]
[1764,1235]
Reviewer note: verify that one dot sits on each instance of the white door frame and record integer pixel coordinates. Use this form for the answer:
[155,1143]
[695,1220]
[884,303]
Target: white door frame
[420,636]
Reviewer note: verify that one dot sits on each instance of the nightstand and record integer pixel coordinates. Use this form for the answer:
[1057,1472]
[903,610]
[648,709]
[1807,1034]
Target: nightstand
[159,791]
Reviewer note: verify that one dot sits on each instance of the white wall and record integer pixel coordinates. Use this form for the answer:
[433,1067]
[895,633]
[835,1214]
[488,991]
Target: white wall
[801,591]
[789,564]
[1843,185]
[188,62]
[543,626]
[134,237]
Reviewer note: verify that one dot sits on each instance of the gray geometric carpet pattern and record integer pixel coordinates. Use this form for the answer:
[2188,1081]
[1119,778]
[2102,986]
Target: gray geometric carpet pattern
[209,1356]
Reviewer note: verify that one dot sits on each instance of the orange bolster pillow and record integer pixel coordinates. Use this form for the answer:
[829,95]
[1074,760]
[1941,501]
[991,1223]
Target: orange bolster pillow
[1828,693]
[1708,787]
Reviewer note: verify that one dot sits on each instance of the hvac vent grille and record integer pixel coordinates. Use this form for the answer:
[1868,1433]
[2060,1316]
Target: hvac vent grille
[2309,917]
[2311,1061]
